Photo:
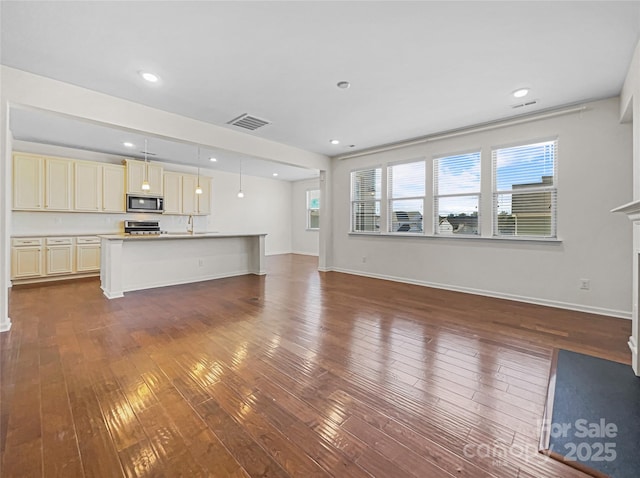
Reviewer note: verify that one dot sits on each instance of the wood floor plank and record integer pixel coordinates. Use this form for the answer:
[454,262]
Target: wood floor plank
[296,373]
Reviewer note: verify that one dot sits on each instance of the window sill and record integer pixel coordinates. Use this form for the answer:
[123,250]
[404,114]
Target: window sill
[551,240]
[312,229]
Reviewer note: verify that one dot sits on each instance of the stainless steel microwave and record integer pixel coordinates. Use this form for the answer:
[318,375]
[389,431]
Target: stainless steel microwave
[153,204]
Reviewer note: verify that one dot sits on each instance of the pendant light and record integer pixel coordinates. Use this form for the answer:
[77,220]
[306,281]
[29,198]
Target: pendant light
[145,183]
[240,193]
[198,188]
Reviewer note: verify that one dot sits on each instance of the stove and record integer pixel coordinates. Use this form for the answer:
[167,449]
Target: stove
[140,228]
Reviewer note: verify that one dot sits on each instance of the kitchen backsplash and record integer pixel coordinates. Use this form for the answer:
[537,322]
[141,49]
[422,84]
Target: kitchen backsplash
[29,222]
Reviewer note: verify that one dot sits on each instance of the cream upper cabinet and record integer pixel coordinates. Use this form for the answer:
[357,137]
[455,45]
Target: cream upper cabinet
[137,171]
[204,199]
[99,187]
[113,188]
[57,188]
[172,193]
[180,194]
[28,181]
[87,186]
[189,194]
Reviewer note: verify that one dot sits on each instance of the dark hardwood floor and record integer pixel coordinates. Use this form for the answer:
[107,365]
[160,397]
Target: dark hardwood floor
[297,373]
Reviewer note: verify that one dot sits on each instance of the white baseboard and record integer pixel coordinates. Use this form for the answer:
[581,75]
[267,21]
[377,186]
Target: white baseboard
[303,253]
[277,253]
[5,325]
[622,314]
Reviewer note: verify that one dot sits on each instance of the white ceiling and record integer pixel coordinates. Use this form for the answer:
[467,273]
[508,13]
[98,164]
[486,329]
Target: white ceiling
[415,68]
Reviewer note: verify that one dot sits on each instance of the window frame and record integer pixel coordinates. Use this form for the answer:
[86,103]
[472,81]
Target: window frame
[553,189]
[389,199]
[309,209]
[353,201]
[436,196]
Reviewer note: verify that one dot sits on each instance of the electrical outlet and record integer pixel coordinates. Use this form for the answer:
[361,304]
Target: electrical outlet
[585,284]
[364,259]
[200,262]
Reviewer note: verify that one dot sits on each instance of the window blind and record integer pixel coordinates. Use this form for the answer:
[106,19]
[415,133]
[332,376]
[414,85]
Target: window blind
[525,190]
[406,191]
[366,189]
[456,186]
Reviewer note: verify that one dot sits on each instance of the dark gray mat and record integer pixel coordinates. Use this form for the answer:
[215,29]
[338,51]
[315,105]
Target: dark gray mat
[596,414]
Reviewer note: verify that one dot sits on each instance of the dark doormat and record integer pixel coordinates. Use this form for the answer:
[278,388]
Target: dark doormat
[592,417]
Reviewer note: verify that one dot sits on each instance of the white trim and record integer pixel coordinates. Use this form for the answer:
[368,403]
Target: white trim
[634,355]
[315,254]
[461,237]
[5,325]
[278,253]
[465,131]
[622,314]
[632,210]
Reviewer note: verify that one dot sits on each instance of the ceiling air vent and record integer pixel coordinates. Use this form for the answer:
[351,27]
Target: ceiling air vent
[528,103]
[249,122]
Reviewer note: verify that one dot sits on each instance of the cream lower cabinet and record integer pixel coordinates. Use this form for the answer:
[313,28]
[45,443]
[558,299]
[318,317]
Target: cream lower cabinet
[26,258]
[59,257]
[35,259]
[87,254]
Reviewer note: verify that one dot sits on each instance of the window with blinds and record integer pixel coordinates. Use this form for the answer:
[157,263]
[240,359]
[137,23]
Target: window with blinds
[406,190]
[313,209]
[456,187]
[366,188]
[525,190]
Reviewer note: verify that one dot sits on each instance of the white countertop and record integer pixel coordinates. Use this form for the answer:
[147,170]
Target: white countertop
[177,235]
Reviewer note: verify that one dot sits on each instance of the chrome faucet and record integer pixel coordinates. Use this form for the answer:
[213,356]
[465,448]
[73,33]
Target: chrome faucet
[190,224]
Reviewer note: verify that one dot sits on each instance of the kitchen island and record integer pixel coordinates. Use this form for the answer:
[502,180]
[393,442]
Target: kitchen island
[143,262]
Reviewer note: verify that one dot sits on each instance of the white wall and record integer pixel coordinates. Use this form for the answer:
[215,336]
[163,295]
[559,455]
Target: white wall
[266,206]
[594,176]
[304,241]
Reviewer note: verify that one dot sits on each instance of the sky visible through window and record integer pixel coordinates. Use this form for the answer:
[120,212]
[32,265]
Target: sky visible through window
[459,174]
[524,165]
[408,181]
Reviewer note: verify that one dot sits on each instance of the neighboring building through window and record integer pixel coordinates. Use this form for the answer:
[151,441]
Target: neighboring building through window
[456,187]
[313,209]
[525,192]
[406,196]
[366,186]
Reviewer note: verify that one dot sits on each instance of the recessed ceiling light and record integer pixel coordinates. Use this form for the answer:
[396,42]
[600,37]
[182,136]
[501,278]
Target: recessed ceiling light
[150,77]
[343,84]
[212,159]
[128,144]
[275,174]
[519,93]
[335,141]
